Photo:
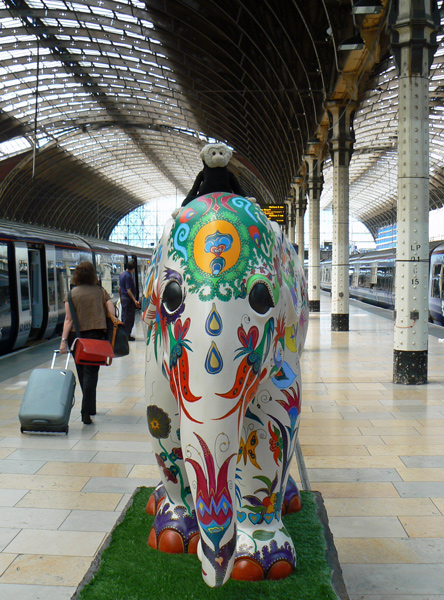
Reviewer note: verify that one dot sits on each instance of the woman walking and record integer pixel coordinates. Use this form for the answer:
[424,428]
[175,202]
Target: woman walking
[88,300]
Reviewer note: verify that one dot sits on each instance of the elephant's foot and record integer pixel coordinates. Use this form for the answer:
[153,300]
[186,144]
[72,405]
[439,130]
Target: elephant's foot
[155,500]
[174,530]
[275,559]
[248,569]
[292,498]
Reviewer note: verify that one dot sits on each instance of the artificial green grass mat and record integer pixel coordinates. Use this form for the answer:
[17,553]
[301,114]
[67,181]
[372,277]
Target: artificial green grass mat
[130,570]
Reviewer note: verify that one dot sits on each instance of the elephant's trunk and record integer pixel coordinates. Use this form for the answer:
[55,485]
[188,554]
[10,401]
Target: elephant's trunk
[211,469]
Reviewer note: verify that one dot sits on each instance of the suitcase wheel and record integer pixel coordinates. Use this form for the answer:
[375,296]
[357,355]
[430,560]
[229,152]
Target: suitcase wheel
[22,430]
[66,430]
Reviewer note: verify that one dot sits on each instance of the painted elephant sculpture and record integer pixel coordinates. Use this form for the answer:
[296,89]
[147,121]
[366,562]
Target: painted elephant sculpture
[226,308]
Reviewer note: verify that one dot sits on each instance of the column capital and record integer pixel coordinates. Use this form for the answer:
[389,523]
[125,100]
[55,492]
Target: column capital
[413,26]
[342,135]
[315,179]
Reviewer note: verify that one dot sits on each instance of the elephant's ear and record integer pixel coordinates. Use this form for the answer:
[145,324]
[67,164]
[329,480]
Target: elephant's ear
[293,311]
[148,308]
[167,231]
[292,293]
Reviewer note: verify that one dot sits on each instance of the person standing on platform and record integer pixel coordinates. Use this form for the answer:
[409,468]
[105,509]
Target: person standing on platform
[88,300]
[128,298]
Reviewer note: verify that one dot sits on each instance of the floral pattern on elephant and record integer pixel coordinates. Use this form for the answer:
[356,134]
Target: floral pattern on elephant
[226,309]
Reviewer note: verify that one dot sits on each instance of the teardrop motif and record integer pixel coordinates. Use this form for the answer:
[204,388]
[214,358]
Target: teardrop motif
[213,324]
[213,362]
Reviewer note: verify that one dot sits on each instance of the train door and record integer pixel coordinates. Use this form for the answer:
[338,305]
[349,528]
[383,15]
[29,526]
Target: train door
[51,280]
[6,305]
[38,312]
[436,289]
[23,295]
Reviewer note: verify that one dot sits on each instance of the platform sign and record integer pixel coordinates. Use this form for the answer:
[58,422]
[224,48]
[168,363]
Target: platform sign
[275,212]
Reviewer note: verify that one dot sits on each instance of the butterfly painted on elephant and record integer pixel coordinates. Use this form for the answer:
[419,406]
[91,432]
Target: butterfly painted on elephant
[247,449]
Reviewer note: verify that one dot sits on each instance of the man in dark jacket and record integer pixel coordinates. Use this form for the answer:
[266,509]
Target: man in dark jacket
[128,298]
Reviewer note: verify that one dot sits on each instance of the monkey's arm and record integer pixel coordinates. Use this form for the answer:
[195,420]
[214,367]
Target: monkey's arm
[235,185]
[194,192]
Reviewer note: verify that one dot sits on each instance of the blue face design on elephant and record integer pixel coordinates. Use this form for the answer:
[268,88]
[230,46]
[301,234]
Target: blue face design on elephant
[226,310]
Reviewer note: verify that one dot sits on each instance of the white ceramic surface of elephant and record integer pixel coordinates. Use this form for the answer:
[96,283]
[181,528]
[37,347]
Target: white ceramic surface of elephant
[226,309]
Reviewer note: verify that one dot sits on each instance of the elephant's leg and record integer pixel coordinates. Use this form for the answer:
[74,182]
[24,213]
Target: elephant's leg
[292,498]
[156,499]
[175,527]
[264,547]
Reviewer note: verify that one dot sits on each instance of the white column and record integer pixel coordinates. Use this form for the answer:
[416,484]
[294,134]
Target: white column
[341,148]
[412,38]
[290,219]
[314,185]
[300,206]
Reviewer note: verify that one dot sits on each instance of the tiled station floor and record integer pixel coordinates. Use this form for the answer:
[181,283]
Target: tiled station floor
[374,450]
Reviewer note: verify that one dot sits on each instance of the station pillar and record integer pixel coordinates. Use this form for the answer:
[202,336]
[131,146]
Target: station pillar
[300,206]
[413,25]
[341,149]
[291,217]
[315,182]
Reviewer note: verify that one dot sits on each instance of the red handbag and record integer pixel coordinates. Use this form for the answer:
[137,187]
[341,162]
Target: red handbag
[92,352]
[89,351]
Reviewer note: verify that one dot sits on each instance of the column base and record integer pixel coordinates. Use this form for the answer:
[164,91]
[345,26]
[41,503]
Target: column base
[410,367]
[314,305]
[339,322]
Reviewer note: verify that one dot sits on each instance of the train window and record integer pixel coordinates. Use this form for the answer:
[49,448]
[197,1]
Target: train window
[436,282]
[5,291]
[66,262]
[108,268]
[355,277]
[24,284]
[51,283]
[364,276]
[118,266]
[62,287]
[382,278]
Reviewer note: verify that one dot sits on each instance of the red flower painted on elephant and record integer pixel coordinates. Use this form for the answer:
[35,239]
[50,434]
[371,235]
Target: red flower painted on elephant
[179,372]
[276,443]
[293,406]
[214,506]
[280,331]
[248,375]
[159,325]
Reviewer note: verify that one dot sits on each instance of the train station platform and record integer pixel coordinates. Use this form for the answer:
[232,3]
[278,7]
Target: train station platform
[375,451]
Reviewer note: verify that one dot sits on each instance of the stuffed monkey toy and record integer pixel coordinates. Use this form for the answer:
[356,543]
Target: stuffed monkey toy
[215,177]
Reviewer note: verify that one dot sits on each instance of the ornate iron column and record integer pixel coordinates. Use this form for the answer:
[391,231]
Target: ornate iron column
[315,182]
[300,206]
[291,217]
[341,149]
[413,25]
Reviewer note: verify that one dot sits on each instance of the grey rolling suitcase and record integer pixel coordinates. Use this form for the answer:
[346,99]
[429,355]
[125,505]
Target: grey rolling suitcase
[48,399]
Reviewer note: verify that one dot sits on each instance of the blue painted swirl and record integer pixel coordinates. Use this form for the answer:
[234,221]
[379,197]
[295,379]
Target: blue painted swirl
[245,204]
[181,235]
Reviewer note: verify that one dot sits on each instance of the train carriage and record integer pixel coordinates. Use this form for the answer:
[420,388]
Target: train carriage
[372,279]
[36,268]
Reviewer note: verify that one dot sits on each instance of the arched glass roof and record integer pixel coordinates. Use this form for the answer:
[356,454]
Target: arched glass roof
[105,104]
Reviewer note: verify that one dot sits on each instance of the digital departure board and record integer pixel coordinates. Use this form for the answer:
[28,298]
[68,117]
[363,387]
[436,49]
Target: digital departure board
[275,212]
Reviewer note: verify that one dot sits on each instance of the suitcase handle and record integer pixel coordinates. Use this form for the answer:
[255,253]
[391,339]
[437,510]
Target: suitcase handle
[68,354]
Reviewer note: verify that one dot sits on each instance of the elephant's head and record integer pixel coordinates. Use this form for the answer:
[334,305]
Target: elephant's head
[224,294]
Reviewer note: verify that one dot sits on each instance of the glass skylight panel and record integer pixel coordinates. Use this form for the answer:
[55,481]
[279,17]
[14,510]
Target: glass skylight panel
[14,146]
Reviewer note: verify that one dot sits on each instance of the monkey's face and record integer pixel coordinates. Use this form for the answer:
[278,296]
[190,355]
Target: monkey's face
[216,155]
